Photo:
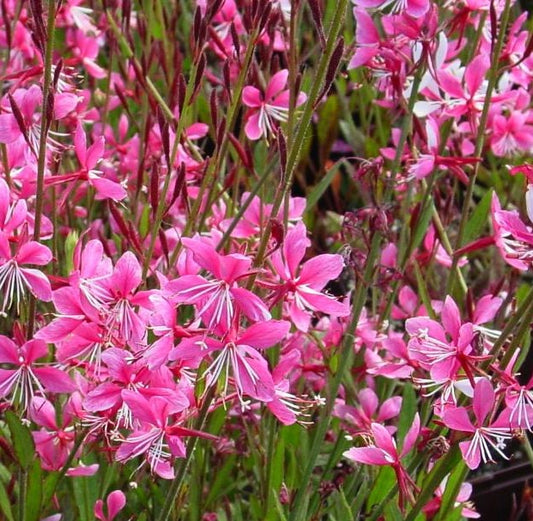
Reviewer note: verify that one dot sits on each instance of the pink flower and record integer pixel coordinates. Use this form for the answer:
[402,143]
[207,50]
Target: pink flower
[302,287]
[27,376]
[385,452]
[360,419]
[239,352]
[158,437]
[115,502]
[512,237]
[487,435]
[16,280]
[414,8]
[218,299]
[274,105]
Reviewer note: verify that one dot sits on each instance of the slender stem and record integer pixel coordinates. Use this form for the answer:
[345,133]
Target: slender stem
[480,138]
[184,463]
[41,160]
[296,148]
[297,513]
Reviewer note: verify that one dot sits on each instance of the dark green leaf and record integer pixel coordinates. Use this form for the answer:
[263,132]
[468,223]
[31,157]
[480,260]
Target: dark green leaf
[22,440]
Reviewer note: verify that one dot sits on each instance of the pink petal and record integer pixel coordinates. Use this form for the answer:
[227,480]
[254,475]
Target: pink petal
[250,304]
[107,189]
[384,440]
[33,252]
[39,284]
[42,412]
[253,129]
[475,73]
[94,153]
[252,97]
[411,436]
[471,457]
[295,246]
[116,501]
[265,334]
[483,401]
[80,144]
[319,270]
[54,380]
[127,275]
[367,455]
[451,317]
[276,84]
[9,353]
[456,418]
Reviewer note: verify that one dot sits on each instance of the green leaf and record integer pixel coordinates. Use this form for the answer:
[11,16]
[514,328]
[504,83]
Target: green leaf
[35,492]
[144,225]
[407,412]
[383,485]
[22,440]
[318,190]
[222,482]
[5,505]
[70,245]
[422,225]
[444,466]
[453,486]
[478,220]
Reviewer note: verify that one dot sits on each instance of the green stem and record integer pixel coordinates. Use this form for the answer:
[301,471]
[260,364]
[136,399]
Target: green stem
[480,139]
[45,125]
[296,148]
[183,464]
[297,513]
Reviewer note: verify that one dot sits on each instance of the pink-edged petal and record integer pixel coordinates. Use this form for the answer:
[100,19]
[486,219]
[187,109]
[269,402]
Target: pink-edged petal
[9,353]
[323,303]
[43,413]
[475,73]
[250,304]
[127,275]
[103,397]
[33,252]
[299,317]
[411,436]
[265,334]
[33,350]
[94,153]
[369,402]
[80,144]
[367,455]
[108,189]
[64,103]
[390,408]
[365,32]
[295,246]
[319,270]
[83,470]
[384,440]
[417,325]
[9,129]
[456,418]
[483,401]
[116,501]
[205,255]
[39,284]
[486,309]
[281,412]
[451,317]
[54,380]
[471,455]
[252,97]
[276,84]
[253,128]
